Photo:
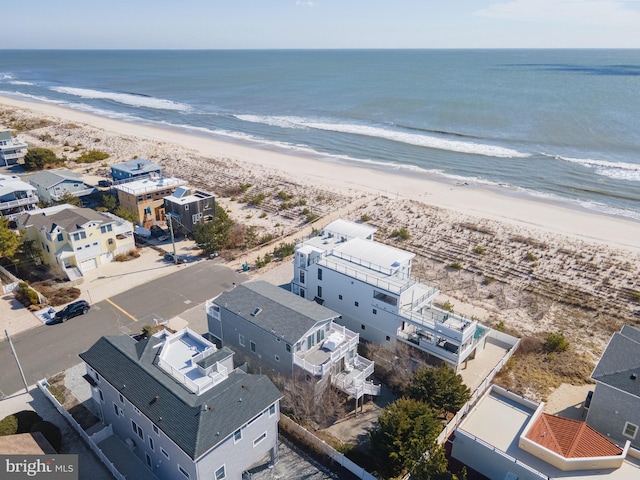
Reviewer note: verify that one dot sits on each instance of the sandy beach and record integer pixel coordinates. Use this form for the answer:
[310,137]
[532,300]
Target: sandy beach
[531,266]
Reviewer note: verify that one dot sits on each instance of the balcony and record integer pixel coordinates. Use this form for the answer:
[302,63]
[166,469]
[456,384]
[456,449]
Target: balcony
[318,360]
[353,379]
[19,202]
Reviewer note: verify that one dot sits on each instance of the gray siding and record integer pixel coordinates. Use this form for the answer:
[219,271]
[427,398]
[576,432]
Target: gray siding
[609,411]
[268,345]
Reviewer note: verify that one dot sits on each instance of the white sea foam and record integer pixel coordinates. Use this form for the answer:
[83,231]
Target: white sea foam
[617,170]
[5,76]
[20,82]
[32,97]
[124,98]
[421,140]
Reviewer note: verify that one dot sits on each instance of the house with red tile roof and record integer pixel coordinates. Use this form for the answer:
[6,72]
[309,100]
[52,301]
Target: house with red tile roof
[506,436]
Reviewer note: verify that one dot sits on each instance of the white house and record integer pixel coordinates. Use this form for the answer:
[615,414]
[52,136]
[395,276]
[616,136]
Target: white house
[370,285]
[12,150]
[176,401]
[16,196]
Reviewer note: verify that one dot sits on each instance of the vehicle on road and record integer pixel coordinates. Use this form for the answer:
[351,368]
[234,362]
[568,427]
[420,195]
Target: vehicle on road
[72,310]
[104,183]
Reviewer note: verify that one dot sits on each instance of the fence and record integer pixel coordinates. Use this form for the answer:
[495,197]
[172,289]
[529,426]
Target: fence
[42,385]
[328,450]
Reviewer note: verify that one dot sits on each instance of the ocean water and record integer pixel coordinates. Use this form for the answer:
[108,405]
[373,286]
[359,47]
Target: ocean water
[558,125]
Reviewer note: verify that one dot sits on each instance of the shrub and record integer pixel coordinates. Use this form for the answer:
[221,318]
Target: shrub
[282,195]
[365,218]
[27,295]
[284,250]
[256,199]
[488,280]
[448,306]
[243,187]
[92,156]
[530,257]
[39,158]
[555,342]
[311,217]
[8,425]
[402,234]
[57,393]
[479,250]
[455,266]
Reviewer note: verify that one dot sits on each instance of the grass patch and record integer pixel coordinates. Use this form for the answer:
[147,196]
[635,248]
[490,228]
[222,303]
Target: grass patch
[125,257]
[92,156]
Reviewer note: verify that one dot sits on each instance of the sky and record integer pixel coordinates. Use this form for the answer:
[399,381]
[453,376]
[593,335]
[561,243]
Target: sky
[320,24]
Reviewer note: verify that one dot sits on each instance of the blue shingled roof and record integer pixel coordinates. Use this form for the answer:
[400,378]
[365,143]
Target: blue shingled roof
[619,366]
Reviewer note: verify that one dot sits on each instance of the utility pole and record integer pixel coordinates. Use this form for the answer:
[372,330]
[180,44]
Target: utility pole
[173,241]
[15,355]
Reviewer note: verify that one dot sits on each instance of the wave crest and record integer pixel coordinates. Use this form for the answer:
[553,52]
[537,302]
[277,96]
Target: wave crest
[420,140]
[125,98]
[616,170]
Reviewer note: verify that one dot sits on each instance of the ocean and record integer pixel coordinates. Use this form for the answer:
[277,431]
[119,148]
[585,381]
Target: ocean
[556,125]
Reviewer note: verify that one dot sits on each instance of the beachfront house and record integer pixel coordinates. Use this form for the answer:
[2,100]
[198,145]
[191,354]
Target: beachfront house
[136,169]
[52,185]
[77,239]
[370,285]
[189,207]
[509,437]
[145,197]
[272,329]
[12,150]
[16,196]
[614,409]
[174,401]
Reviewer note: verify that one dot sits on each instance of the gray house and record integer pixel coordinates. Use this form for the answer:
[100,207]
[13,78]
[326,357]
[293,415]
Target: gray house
[615,406]
[16,196]
[271,328]
[52,185]
[188,207]
[134,169]
[176,401]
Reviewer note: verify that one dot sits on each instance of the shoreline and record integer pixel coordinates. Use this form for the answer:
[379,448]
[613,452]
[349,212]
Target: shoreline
[472,200]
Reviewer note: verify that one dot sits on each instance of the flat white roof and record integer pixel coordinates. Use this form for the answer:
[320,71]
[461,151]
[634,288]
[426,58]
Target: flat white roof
[149,185]
[371,252]
[349,229]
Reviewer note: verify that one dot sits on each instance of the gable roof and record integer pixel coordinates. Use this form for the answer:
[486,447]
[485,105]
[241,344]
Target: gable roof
[619,366]
[49,178]
[70,219]
[5,135]
[570,438]
[196,423]
[281,312]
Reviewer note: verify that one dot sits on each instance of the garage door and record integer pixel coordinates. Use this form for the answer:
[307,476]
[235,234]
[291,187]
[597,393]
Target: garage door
[88,264]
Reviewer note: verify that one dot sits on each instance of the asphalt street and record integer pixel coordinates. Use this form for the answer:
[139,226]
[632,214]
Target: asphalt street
[47,350]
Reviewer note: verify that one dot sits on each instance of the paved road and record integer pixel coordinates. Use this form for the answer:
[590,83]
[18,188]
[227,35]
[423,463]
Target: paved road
[46,350]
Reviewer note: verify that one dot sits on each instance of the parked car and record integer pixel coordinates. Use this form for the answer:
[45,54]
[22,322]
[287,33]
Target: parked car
[72,310]
[104,183]
[157,231]
[170,258]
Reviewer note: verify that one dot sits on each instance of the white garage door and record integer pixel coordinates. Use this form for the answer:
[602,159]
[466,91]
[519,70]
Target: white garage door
[88,264]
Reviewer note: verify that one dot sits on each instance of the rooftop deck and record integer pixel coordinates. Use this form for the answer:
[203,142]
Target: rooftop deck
[179,356]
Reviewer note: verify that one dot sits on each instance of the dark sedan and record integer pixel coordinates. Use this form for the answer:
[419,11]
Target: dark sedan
[72,310]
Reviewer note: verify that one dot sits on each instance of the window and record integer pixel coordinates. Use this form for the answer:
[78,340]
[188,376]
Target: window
[139,199]
[253,347]
[339,297]
[121,398]
[183,471]
[155,430]
[362,327]
[136,410]
[220,473]
[101,395]
[319,336]
[106,228]
[630,430]
[277,358]
[302,276]
[60,237]
[241,339]
[319,274]
[117,410]
[356,304]
[186,207]
[149,196]
[258,440]
[375,312]
[272,410]
[136,428]
[288,348]
[319,291]
[164,452]
[79,236]
[151,445]
[302,293]
[388,338]
[237,436]
[148,459]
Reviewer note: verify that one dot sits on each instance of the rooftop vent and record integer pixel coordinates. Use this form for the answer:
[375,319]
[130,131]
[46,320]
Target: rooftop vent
[633,376]
[256,312]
